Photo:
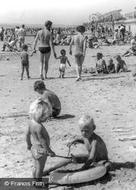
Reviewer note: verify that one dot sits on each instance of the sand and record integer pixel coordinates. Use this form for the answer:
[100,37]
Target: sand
[111,99]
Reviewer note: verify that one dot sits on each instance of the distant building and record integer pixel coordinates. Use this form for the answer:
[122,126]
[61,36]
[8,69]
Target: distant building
[130,15]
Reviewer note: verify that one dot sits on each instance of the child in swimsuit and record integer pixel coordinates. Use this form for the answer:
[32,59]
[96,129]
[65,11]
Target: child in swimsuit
[63,59]
[121,65]
[49,96]
[25,61]
[39,144]
[94,144]
[101,64]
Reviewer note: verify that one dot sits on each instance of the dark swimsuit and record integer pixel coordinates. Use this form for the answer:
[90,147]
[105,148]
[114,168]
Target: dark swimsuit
[44,49]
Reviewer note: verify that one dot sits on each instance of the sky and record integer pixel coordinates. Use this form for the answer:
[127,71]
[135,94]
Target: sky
[63,12]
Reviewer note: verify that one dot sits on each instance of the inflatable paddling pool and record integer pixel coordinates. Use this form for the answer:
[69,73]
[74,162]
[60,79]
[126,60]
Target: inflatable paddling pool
[63,178]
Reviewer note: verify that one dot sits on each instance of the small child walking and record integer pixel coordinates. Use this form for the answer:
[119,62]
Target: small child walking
[63,60]
[39,144]
[25,61]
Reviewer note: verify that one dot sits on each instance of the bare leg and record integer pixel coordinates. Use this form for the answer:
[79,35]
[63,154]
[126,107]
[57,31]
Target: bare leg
[22,72]
[27,72]
[42,63]
[79,61]
[39,167]
[46,61]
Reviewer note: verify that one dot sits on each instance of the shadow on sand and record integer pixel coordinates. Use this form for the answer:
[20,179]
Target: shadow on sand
[65,116]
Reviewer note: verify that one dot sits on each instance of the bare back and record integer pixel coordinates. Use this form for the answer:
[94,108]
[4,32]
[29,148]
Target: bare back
[44,37]
[79,41]
[39,134]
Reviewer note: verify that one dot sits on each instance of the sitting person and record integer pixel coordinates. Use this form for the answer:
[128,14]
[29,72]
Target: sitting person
[48,95]
[101,64]
[12,45]
[94,144]
[121,65]
[132,50]
[111,66]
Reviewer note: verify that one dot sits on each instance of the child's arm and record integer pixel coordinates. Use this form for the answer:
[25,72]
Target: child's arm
[92,155]
[28,139]
[58,57]
[43,137]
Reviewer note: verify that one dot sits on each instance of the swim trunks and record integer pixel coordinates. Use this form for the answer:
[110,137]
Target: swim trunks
[44,49]
[62,67]
[38,152]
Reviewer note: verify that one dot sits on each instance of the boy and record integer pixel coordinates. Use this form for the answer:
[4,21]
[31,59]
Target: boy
[111,66]
[49,96]
[101,64]
[40,146]
[80,48]
[25,61]
[121,65]
[95,146]
[63,59]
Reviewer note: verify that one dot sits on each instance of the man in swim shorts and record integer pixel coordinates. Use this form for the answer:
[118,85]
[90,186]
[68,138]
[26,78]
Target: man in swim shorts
[45,38]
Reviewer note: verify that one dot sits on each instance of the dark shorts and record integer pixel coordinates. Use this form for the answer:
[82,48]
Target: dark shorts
[55,112]
[44,49]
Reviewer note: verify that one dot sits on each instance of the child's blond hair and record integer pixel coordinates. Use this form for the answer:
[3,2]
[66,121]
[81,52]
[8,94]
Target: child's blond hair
[87,120]
[39,109]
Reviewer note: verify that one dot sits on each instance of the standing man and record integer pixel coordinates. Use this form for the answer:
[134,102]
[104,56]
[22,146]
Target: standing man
[45,38]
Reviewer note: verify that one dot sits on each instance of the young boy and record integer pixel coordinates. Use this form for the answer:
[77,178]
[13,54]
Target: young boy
[121,65]
[94,144]
[80,48]
[101,64]
[49,96]
[40,146]
[63,59]
[25,61]
[111,66]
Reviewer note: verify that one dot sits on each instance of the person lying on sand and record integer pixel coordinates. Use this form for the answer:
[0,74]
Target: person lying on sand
[94,144]
[51,97]
[121,65]
[101,64]
[40,144]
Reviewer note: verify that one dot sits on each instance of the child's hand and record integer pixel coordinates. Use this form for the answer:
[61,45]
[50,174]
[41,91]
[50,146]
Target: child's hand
[51,153]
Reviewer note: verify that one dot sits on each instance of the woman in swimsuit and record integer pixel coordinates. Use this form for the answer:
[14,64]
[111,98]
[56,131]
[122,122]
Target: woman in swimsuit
[46,42]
